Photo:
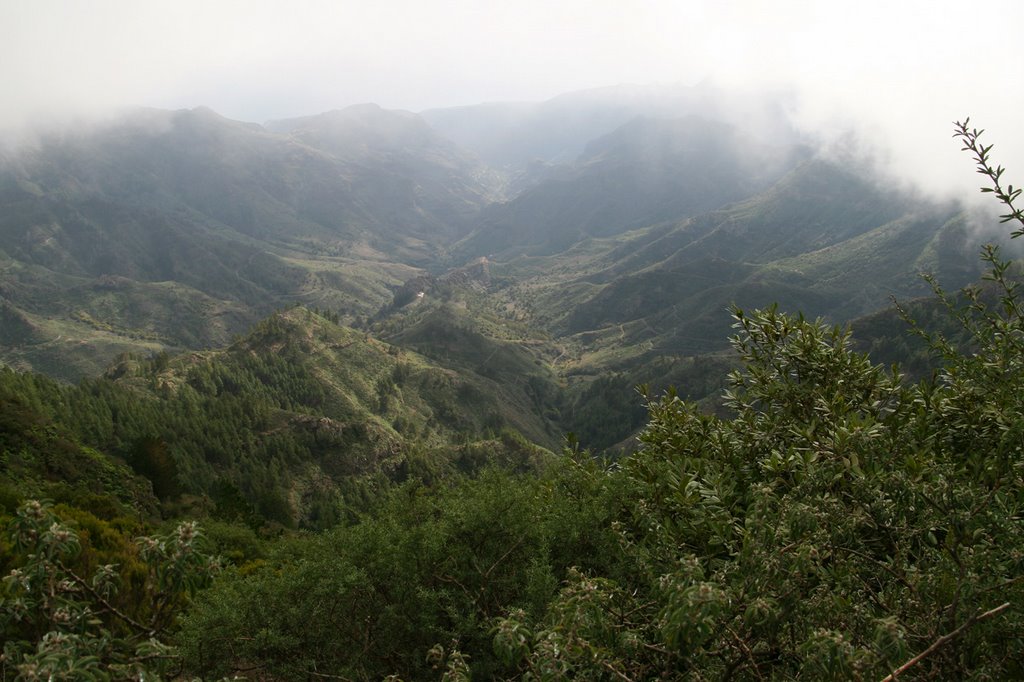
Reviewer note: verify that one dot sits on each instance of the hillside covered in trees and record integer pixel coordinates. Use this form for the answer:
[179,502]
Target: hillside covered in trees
[313,502]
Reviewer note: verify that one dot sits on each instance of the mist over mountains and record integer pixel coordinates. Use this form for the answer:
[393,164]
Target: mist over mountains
[390,340]
[599,236]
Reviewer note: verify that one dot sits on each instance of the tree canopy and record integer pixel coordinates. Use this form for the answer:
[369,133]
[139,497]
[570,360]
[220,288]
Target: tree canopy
[840,522]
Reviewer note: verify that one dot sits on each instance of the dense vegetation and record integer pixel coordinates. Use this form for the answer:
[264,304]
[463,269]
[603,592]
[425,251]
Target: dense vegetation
[839,521]
[83,603]
[297,424]
[841,524]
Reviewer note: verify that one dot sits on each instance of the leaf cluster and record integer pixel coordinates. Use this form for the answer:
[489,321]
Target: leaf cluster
[65,616]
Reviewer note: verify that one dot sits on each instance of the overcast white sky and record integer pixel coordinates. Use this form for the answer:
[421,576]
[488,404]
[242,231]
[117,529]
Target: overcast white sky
[900,71]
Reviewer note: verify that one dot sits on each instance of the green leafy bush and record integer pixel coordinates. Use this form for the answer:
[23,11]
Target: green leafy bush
[843,524]
[432,566]
[65,617]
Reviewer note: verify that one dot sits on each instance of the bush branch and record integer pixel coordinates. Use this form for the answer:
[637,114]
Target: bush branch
[945,639]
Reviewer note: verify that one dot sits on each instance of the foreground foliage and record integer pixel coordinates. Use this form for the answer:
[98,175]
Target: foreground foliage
[842,523]
[838,525]
[430,567]
[64,615]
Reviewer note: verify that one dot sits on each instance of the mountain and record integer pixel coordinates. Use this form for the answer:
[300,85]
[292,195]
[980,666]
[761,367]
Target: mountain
[823,240]
[650,305]
[543,254]
[243,179]
[179,229]
[645,172]
[513,135]
[299,422]
[433,187]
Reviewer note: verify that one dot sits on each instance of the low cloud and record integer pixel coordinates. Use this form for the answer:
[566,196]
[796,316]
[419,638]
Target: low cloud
[895,74]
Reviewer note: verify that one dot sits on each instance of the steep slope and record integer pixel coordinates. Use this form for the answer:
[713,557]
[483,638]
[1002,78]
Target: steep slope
[228,174]
[803,243]
[300,422]
[166,231]
[645,172]
[457,321]
[42,457]
[435,188]
[651,305]
[179,229]
[333,414]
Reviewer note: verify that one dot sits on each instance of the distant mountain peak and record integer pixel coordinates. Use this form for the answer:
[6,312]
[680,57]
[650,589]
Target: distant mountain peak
[366,114]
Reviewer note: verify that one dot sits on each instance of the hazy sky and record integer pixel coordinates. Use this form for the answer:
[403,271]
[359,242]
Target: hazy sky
[899,71]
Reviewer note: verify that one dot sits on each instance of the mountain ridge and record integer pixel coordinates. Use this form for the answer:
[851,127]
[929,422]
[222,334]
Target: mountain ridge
[177,231]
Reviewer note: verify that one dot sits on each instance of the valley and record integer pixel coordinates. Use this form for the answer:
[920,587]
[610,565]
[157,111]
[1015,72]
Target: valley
[587,237]
[426,298]
[416,341]
[428,382]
